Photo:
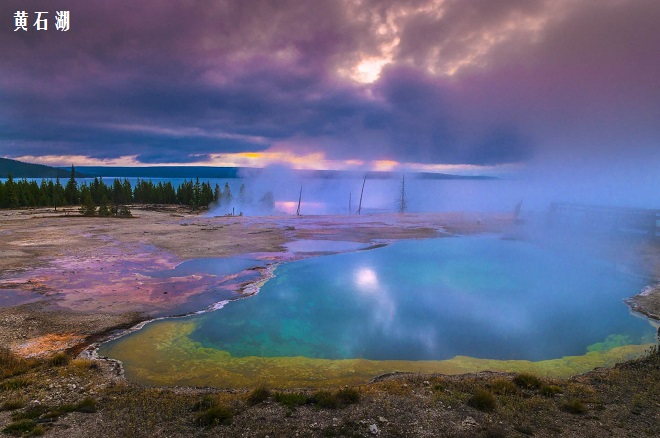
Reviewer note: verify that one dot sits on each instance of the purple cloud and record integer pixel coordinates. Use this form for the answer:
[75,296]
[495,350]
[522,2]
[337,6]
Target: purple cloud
[463,82]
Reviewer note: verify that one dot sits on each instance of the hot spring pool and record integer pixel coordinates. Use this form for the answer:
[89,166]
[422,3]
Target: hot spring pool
[445,305]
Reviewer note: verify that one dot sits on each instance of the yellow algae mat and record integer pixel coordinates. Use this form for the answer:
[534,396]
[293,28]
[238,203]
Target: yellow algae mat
[163,354]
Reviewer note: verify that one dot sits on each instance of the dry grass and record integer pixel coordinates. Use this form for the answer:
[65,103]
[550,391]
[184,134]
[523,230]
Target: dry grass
[13,365]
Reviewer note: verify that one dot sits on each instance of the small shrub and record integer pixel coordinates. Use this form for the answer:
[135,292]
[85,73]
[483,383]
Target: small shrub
[207,402]
[438,387]
[291,400]
[214,416]
[60,359]
[503,387]
[573,406]
[12,404]
[325,399]
[23,427]
[258,395]
[551,390]
[483,399]
[527,381]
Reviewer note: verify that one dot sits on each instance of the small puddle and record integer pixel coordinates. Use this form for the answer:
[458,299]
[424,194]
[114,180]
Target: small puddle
[16,297]
[324,246]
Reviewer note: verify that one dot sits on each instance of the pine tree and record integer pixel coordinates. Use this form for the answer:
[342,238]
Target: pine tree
[12,192]
[217,194]
[88,207]
[71,190]
[104,210]
[226,194]
[242,195]
[197,194]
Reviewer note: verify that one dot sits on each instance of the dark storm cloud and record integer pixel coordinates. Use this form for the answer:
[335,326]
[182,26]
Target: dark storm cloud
[477,82]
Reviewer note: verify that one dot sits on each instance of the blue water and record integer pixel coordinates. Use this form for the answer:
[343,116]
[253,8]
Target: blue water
[432,299]
[214,266]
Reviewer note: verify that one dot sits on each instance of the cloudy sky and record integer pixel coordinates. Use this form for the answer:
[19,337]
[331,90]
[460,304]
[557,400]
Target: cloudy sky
[446,85]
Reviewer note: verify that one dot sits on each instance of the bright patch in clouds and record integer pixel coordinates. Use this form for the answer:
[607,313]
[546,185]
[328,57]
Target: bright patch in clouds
[80,160]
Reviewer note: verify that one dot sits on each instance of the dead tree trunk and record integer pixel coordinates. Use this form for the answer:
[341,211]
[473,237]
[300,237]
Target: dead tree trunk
[359,210]
[299,199]
[402,199]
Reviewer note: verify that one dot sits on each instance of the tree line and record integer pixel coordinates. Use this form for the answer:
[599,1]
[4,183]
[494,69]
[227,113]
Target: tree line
[110,199]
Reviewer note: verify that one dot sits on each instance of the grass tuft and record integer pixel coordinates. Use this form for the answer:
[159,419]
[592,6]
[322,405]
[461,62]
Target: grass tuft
[483,399]
[325,399]
[58,411]
[214,416]
[503,387]
[30,413]
[12,404]
[11,364]
[84,365]
[258,395]
[291,400]
[573,406]
[551,390]
[86,406]
[59,359]
[207,402]
[15,383]
[348,396]
[25,427]
[334,400]
[527,381]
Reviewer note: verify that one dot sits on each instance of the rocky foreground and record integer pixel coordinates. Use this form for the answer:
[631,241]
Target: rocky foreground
[81,398]
[78,281]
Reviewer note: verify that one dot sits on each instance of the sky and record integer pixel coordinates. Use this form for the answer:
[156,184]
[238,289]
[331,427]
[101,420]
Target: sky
[469,86]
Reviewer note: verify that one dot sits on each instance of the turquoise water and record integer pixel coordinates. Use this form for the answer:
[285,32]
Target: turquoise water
[430,300]
[219,267]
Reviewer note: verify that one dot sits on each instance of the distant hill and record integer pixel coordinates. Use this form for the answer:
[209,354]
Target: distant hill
[202,172]
[19,169]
